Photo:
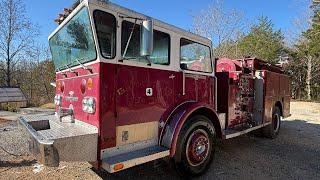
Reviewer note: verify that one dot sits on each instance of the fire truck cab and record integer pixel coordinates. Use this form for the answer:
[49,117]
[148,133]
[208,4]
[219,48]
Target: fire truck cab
[131,89]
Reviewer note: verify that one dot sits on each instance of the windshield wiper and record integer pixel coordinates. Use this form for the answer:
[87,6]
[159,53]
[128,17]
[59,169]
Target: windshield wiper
[83,66]
[70,70]
[63,73]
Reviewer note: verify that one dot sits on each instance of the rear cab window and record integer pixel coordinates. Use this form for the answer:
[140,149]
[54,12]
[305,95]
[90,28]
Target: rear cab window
[195,56]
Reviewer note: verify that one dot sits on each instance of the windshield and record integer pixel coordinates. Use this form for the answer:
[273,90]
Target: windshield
[73,42]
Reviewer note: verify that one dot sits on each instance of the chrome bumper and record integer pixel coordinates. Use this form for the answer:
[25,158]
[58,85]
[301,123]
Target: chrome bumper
[52,141]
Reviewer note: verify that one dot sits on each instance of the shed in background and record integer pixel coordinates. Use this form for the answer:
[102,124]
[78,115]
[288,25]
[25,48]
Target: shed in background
[12,98]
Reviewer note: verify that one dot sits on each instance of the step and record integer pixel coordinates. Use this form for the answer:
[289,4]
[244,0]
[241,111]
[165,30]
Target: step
[230,133]
[128,160]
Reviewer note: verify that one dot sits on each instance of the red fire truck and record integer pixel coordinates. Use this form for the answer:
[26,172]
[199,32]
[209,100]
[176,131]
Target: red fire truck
[131,89]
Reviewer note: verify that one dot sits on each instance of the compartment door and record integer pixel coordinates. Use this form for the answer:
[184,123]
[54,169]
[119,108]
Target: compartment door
[258,98]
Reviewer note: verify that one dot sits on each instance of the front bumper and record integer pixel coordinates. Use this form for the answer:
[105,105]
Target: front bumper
[52,141]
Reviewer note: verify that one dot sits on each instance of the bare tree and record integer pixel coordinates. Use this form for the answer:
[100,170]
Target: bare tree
[42,69]
[221,25]
[300,22]
[35,76]
[17,35]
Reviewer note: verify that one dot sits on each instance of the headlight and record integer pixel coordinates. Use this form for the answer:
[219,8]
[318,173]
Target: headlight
[89,105]
[58,100]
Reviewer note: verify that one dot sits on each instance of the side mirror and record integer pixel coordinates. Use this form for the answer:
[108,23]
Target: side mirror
[146,47]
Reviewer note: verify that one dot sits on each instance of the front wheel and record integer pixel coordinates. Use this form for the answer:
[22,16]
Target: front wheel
[272,130]
[195,148]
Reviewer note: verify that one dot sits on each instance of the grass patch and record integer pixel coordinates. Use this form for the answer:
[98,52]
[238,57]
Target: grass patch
[48,106]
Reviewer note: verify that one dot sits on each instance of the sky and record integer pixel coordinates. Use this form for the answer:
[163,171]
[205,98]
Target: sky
[176,12]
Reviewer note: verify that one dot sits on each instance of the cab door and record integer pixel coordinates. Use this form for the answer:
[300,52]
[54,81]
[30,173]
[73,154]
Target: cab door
[143,95]
[143,92]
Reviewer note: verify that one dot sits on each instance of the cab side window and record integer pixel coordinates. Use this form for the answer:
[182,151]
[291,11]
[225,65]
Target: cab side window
[161,45]
[106,31]
[195,56]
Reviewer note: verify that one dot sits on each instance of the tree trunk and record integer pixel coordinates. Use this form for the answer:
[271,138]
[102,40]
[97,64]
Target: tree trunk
[309,77]
[8,78]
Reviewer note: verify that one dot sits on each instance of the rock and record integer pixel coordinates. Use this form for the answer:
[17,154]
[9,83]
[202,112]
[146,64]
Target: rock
[37,168]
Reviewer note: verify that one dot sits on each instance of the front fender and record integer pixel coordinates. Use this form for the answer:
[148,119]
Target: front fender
[175,122]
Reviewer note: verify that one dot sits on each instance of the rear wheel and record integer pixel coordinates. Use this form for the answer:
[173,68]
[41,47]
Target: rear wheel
[195,148]
[272,130]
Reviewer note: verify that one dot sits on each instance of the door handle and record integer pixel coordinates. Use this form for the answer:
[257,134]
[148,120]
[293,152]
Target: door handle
[121,91]
[172,76]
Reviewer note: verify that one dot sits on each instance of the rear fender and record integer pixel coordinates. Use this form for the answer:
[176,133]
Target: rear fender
[179,116]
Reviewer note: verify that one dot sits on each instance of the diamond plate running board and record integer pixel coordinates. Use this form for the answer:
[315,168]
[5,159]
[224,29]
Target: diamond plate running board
[52,141]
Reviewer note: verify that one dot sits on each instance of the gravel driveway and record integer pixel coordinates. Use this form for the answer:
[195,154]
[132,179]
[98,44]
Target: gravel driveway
[295,154]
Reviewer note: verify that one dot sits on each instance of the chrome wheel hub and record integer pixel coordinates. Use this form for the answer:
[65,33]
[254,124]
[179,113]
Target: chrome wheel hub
[198,147]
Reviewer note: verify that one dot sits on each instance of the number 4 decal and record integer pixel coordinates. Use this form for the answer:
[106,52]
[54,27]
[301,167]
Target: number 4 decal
[149,92]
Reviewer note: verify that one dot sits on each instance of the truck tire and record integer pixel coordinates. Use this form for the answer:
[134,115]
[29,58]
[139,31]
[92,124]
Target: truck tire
[195,146]
[272,130]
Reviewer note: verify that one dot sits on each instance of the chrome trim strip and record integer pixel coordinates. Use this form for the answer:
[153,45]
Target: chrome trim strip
[215,93]
[88,75]
[183,83]
[246,131]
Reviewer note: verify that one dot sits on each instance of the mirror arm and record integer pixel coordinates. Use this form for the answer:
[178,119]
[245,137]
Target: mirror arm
[183,83]
[149,60]
[129,40]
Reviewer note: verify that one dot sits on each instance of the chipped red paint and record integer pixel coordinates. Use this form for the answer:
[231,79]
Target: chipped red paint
[121,99]
[276,87]
[120,92]
[72,89]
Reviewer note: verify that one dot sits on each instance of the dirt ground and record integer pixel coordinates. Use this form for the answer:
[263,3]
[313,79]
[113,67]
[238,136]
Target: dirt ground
[295,154]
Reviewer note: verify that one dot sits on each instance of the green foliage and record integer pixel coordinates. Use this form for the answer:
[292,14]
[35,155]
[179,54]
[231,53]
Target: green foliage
[227,49]
[297,70]
[262,41]
[12,107]
[313,34]
[304,68]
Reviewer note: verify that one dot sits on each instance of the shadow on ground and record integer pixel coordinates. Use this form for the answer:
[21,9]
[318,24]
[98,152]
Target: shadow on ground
[22,163]
[293,155]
